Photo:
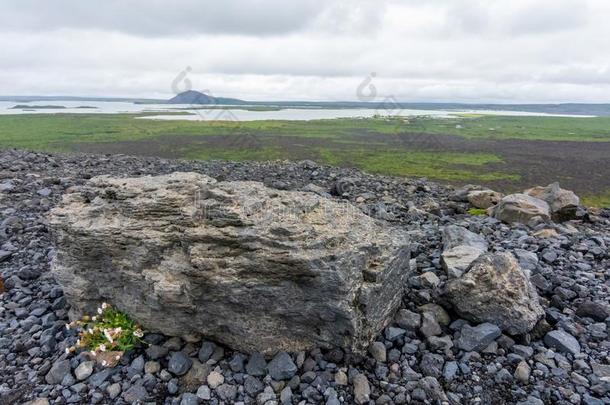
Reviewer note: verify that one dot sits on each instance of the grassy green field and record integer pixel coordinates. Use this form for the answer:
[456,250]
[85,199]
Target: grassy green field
[58,131]
[389,146]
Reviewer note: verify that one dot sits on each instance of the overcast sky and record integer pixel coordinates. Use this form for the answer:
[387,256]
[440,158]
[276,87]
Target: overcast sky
[432,50]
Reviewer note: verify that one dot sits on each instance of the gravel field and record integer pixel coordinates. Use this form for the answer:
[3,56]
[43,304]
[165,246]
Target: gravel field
[430,354]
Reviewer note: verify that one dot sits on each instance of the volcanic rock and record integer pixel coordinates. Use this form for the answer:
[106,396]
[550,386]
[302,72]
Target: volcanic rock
[520,208]
[477,338]
[251,267]
[460,248]
[496,290]
[484,198]
[563,203]
[562,341]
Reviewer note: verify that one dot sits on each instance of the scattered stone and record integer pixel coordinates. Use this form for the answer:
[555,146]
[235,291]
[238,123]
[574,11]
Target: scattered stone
[378,351]
[546,233]
[562,341]
[99,378]
[477,338]
[341,378]
[286,396]
[189,399]
[563,203]
[460,248]
[179,363]
[204,393]
[196,376]
[215,379]
[58,371]
[594,310]
[152,367]
[520,208]
[84,370]
[138,363]
[484,198]
[362,389]
[430,326]
[496,290]
[113,390]
[136,393]
[256,365]
[522,372]
[432,364]
[408,320]
[206,351]
[282,367]
[440,315]
[429,279]
[527,260]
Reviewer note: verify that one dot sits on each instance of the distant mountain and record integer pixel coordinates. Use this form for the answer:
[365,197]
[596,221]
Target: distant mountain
[196,97]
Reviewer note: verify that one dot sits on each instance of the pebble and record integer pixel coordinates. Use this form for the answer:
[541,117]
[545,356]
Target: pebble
[362,389]
[281,367]
[204,393]
[215,379]
[84,370]
[256,365]
[113,390]
[408,320]
[152,367]
[378,351]
[522,372]
[429,326]
[57,373]
[189,399]
[562,341]
[179,363]
[477,338]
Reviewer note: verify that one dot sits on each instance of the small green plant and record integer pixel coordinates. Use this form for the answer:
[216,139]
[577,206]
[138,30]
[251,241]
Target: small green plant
[477,211]
[108,331]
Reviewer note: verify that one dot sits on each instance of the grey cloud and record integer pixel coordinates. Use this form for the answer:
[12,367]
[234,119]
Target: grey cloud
[548,17]
[159,18]
[522,50]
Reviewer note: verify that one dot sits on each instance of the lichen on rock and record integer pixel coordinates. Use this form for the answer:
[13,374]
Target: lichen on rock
[254,268]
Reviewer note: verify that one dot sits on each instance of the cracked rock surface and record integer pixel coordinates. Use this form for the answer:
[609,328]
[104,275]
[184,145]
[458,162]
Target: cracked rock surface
[248,266]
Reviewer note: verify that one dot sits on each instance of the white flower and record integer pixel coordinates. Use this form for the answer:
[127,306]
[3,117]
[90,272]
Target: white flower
[102,347]
[108,336]
[93,353]
[67,350]
[104,362]
[118,357]
[94,318]
[77,342]
[100,311]
[90,331]
[138,333]
[104,305]
[68,326]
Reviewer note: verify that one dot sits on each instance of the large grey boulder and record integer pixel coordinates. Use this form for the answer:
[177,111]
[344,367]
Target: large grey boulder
[563,203]
[254,268]
[460,248]
[520,208]
[496,290]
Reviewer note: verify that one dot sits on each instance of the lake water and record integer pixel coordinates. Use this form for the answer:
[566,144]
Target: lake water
[234,113]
